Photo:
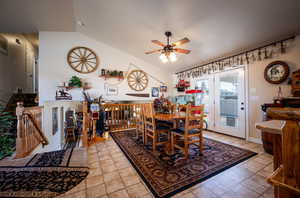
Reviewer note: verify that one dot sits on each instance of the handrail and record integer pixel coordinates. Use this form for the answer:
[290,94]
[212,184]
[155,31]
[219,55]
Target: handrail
[44,139]
[29,133]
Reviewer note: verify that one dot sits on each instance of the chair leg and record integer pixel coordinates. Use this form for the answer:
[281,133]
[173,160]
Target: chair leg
[154,141]
[172,143]
[146,137]
[186,150]
[201,142]
[143,134]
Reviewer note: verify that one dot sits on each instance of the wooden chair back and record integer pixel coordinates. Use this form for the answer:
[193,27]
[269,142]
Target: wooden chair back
[194,117]
[139,114]
[181,108]
[149,117]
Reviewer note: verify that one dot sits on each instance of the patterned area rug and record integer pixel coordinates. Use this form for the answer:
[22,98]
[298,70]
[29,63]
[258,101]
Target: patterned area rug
[167,175]
[43,175]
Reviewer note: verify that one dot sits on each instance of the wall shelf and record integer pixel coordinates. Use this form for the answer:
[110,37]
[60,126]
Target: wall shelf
[109,76]
[70,87]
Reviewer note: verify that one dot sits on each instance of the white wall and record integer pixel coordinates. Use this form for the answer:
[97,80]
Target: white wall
[259,90]
[16,68]
[57,140]
[54,69]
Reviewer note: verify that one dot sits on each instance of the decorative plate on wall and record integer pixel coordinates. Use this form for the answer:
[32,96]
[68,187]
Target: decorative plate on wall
[277,72]
[83,60]
[137,80]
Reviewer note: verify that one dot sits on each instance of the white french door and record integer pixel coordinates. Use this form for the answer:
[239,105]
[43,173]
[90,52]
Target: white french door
[225,102]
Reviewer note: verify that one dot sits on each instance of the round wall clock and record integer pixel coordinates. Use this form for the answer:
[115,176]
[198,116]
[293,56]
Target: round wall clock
[137,80]
[83,60]
[277,72]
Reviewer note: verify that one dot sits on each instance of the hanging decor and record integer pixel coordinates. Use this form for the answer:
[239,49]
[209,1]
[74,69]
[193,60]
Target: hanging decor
[83,60]
[137,80]
[277,72]
[182,85]
[257,54]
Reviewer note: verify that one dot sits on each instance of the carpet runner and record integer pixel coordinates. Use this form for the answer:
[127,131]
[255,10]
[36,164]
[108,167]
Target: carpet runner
[167,175]
[43,175]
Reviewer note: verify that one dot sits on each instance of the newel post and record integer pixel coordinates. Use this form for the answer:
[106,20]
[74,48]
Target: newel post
[19,141]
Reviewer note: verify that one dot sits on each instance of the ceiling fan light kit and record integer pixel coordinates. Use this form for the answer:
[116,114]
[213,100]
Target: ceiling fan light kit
[168,52]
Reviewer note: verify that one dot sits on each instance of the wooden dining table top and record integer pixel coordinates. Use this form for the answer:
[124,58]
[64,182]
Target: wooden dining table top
[171,116]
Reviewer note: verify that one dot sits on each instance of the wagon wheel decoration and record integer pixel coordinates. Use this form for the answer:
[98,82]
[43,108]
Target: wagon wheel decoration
[137,80]
[83,60]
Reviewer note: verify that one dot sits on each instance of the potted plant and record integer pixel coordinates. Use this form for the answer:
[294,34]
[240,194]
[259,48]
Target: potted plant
[75,81]
[7,140]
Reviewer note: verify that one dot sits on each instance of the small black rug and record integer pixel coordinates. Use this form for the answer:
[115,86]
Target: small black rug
[44,175]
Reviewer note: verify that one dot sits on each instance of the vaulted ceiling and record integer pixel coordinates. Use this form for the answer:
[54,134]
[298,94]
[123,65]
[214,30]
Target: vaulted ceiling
[215,27]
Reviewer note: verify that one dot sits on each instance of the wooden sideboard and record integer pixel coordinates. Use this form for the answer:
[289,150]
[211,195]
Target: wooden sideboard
[268,138]
[286,175]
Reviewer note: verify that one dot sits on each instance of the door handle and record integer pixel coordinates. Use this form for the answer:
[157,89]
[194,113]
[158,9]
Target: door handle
[242,108]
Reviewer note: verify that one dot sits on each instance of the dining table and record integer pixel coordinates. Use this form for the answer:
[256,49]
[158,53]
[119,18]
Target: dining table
[175,118]
[171,117]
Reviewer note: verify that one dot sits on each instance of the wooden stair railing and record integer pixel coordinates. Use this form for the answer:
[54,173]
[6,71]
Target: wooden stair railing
[121,116]
[117,117]
[29,133]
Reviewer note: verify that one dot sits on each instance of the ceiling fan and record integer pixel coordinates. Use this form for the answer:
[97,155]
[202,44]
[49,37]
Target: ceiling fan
[168,50]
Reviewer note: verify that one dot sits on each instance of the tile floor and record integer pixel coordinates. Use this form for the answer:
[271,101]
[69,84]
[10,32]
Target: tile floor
[112,176]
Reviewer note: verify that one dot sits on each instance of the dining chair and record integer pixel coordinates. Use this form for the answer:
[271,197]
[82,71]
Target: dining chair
[140,122]
[191,133]
[158,134]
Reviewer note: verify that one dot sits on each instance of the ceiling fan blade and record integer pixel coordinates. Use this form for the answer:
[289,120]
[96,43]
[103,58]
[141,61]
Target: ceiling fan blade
[181,42]
[151,52]
[183,51]
[158,43]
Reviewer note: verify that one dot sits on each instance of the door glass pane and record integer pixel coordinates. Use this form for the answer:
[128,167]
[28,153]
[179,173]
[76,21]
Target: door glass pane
[203,98]
[229,99]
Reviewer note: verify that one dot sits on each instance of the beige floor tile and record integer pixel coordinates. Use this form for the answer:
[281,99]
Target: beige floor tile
[94,181]
[95,164]
[119,194]
[95,172]
[215,187]
[106,162]
[111,176]
[80,194]
[109,168]
[130,180]
[240,191]
[127,172]
[114,185]
[137,190]
[188,195]
[256,183]
[204,192]
[96,191]
[269,193]
[121,165]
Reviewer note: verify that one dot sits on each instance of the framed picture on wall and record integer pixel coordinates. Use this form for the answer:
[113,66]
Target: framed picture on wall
[3,45]
[163,88]
[54,120]
[155,92]
[111,90]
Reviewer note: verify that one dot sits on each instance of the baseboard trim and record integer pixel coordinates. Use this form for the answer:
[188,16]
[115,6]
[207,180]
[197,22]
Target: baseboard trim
[255,140]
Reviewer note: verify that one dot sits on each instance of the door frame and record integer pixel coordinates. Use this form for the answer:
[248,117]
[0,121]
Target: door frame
[246,96]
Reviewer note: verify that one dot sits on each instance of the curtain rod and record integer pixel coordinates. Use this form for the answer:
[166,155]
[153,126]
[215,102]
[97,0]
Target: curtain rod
[238,54]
